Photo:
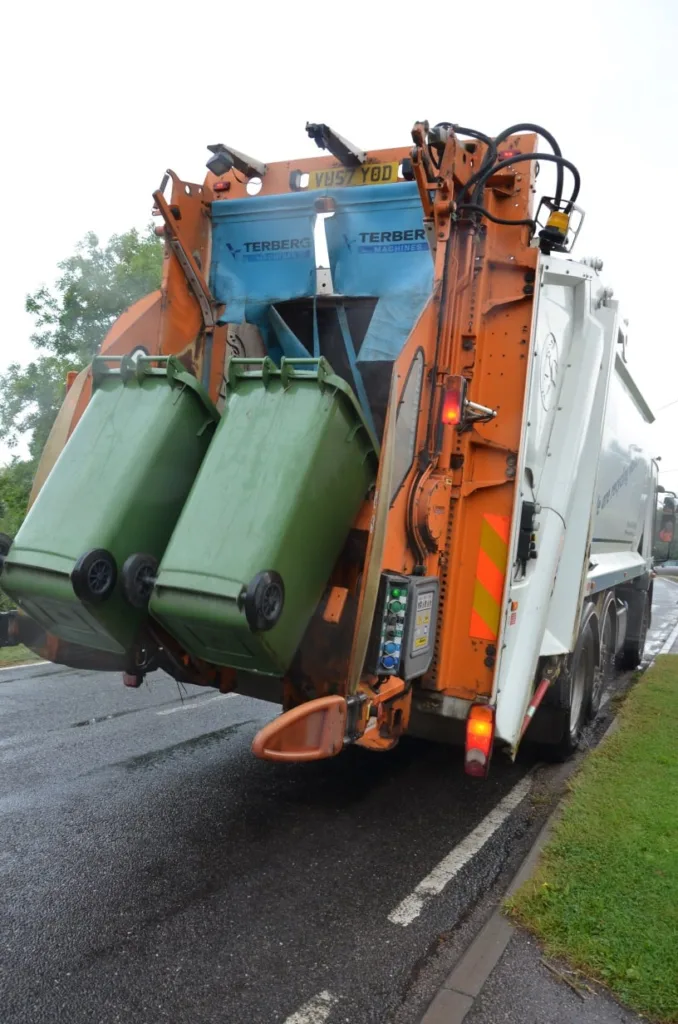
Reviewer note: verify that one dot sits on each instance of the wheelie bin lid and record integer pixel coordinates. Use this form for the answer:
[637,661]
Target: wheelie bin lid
[130,370]
[319,370]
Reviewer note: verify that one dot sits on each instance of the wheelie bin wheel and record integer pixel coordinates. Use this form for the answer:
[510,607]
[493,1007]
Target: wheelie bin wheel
[94,576]
[5,545]
[138,576]
[264,600]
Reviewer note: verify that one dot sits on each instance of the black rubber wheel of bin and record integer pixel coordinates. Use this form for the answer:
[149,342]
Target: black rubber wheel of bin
[138,577]
[264,601]
[94,576]
[5,545]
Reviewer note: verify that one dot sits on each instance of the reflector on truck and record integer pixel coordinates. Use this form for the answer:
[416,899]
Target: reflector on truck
[490,574]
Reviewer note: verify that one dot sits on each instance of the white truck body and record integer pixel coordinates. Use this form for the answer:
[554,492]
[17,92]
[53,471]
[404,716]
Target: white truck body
[584,461]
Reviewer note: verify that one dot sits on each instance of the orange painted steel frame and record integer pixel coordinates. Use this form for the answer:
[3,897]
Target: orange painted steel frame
[480,318]
[477,324]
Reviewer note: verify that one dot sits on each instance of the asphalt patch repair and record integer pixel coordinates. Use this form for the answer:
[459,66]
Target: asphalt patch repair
[604,897]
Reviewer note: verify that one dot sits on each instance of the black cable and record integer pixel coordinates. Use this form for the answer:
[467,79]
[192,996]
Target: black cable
[496,220]
[526,126]
[522,158]
[472,133]
[490,152]
[537,128]
[458,130]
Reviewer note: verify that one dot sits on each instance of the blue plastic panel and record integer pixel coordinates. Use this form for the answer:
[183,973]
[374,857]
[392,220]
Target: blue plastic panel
[262,251]
[377,247]
[376,241]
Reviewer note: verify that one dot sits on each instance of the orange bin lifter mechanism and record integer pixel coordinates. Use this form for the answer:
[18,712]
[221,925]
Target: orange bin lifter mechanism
[451,517]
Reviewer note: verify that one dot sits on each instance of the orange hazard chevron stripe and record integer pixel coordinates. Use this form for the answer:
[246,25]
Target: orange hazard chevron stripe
[490,573]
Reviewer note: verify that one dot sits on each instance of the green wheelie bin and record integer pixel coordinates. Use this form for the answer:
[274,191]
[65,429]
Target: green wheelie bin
[289,467]
[83,561]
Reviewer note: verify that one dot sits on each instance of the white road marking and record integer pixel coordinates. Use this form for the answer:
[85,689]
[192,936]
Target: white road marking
[434,883]
[25,664]
[315,1011]
[193,704]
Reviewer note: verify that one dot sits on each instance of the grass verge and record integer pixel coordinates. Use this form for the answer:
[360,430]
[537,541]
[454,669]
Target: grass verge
[605,894]
[16,656]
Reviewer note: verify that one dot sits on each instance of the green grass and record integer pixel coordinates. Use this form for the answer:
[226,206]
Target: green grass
[605,894]
[16,656]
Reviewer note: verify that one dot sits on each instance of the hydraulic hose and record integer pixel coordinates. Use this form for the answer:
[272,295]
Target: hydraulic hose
[483,175]
[491,156]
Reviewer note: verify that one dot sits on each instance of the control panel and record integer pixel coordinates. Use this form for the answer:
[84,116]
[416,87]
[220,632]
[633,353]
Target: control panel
[403,636]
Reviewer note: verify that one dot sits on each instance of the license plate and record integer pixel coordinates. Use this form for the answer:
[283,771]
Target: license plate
[341,177]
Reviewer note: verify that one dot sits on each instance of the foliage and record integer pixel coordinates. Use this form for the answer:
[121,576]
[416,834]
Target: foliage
[96,284]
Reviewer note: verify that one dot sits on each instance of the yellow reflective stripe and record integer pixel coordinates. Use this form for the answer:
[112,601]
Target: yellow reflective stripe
[486,612]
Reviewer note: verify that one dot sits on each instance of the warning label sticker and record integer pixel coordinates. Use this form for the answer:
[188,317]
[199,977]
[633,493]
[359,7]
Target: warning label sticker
[422,622]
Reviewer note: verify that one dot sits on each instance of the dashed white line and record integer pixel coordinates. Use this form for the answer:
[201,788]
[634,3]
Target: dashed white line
[315,1011]
[193,704]
[434,883]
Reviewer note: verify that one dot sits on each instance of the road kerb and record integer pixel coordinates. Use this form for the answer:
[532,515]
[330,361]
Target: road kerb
[455,997]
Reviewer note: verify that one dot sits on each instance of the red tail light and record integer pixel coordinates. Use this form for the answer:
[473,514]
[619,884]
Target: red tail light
[453,401]
[479,740]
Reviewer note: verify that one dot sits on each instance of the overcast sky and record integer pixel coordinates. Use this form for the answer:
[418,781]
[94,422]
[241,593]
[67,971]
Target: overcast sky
[99,99]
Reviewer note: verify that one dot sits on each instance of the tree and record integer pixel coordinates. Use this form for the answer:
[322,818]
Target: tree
[95,285]
[15,488]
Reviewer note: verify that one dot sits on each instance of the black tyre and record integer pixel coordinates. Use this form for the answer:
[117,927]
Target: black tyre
[604,673]
[563,714]
[137,578]
[632,653]
[94,576]
[264,601]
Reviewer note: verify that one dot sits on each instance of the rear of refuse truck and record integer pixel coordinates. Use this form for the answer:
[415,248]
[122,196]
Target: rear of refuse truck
[349,519]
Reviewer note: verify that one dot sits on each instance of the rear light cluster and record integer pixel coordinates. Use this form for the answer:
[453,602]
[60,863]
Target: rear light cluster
[453,401]
[479,740]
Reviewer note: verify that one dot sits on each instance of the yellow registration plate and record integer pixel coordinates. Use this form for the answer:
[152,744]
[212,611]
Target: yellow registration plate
[368,174]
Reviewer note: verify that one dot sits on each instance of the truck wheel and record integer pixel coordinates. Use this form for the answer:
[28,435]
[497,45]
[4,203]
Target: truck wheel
[604,673]
[565,706]
[632,654]
[94,576]
[138,577]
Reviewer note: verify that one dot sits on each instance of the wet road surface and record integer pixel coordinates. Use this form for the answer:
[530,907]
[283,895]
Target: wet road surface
[152,870]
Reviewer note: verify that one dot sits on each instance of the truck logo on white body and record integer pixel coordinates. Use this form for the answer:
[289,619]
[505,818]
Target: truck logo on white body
[549,371]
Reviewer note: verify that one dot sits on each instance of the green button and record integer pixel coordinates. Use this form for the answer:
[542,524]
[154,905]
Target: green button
[396,606]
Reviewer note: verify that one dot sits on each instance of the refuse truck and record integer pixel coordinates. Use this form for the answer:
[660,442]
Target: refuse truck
[372,452]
